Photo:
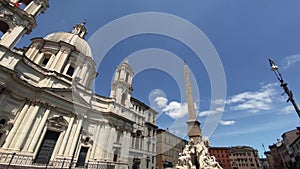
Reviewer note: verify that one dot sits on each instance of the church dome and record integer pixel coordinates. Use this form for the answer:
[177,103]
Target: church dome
[75,38]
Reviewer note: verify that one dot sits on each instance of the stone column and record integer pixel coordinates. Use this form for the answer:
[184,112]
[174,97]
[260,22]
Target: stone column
[38,58]
[110,143]
[104,140]
[66,68]
[93,152]
[86,76]
[74,141]
[25,127]
[51,60]
[17,123]
[39,131]
[77,68]
[60,59]
[10,39]
[2,97]
[66,137]
[126,141]
[33,8]
[83,70]
[31,50]
[100,148]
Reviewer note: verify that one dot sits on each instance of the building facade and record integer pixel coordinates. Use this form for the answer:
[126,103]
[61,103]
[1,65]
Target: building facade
[279,155]
[243,157]
[222,156]
[295,146]
[285,153]
[263,163]
[49,112]
[168,148]
[269,159]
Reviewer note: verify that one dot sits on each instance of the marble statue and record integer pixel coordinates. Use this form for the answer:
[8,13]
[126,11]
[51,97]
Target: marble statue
[200,151]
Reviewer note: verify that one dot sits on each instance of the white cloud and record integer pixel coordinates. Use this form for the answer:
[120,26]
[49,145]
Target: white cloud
[161,101]
[288,110]
[173,109]
[207,112]
[253,101]
[218,108]
[291,60]
[176,110]
[259,128]
[227,123]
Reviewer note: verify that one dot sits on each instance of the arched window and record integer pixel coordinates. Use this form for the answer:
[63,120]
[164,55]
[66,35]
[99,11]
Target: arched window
[119,74]
[2,123]
[25,2]
[123,98]
[46,59]
[71,66]
[126,77]
[3,27]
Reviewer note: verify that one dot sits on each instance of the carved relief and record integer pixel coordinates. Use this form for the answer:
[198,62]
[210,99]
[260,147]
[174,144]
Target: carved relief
[12,19]
[5,125]
[9,18]
[86,140]
[58,123]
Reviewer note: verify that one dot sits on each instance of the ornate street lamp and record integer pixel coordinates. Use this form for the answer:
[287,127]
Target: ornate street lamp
[275,69]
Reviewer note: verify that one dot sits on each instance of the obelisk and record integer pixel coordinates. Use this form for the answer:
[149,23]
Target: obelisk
[194,131]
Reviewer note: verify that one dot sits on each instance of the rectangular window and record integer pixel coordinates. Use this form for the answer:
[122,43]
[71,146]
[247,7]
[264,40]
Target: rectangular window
[132,141]
[147,162]
[137,142]
[46,59]
[70,70]
[116,154]
[118,138]
[126,78]
[148,147]
[149,132]
[153,147]
[142,142]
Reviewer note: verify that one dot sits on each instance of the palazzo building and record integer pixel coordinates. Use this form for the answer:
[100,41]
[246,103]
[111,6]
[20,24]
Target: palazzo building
[244,157]
[168,148]
[222,156]
[49,112]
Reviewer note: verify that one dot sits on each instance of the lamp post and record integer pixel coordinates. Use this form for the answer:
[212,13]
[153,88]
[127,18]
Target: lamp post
[283,84]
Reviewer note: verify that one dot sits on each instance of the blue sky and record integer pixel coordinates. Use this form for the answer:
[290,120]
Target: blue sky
[244,34]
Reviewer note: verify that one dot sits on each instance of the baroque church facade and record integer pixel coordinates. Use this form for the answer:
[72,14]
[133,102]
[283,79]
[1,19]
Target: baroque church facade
[49,112]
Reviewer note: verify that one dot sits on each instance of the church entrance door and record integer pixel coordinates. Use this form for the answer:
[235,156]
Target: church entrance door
[45,152]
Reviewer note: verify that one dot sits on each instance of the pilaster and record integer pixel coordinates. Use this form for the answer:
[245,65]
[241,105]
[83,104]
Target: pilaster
[16,126]
[39,131]
[66,137]
[25,127]
[74,141]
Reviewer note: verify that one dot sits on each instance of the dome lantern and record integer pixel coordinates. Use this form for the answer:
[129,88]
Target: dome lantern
[80,29]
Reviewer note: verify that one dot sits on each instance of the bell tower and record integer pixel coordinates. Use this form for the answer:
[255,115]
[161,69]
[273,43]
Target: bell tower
[17,18]
[121,87]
